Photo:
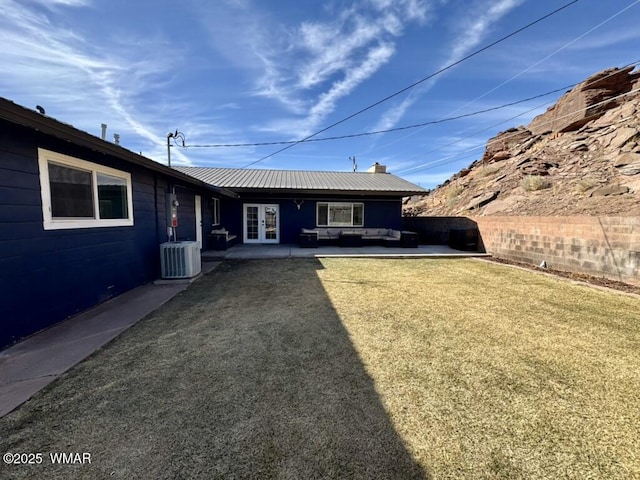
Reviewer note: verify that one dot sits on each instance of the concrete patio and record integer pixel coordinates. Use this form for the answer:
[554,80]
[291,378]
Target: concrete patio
[246,251]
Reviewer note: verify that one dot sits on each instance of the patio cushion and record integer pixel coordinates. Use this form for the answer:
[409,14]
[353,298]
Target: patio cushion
[333,233]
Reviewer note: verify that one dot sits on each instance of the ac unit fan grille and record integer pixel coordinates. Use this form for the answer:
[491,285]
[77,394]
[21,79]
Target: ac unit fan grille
[180,259]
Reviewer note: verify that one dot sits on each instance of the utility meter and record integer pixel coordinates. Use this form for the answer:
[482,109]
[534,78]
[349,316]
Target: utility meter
[172,210]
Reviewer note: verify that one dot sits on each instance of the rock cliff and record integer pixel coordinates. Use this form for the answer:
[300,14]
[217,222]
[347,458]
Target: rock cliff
[580,157]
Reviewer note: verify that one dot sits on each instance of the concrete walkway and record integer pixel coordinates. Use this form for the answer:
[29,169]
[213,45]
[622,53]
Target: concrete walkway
[27,367]
[30,365]
[245,251]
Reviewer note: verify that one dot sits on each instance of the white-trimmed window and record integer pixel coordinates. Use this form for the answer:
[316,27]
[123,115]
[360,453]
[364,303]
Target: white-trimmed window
[80,194]
[340,214]
[215,202]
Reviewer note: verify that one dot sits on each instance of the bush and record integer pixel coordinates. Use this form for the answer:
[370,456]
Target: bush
[531,183]
[453,193]
[586,183]
[485,171]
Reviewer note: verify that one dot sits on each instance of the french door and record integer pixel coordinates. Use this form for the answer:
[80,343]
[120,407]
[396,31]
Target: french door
[261,223]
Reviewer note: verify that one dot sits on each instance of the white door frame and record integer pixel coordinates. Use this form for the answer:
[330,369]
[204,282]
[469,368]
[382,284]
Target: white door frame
[262,234]
[198,208]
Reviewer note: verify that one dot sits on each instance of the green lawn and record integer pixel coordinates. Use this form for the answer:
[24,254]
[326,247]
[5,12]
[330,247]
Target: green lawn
[354,368]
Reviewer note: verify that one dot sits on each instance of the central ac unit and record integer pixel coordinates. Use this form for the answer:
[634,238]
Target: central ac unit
[180,259]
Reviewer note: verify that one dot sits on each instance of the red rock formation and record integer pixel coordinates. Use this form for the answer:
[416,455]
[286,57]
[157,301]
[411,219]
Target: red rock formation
[583,103]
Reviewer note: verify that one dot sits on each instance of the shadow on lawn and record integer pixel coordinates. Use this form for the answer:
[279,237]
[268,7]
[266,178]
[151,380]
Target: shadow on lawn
[248,374]
[295,400]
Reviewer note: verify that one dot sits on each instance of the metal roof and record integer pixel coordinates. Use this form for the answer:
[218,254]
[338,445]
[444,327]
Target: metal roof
[237,179]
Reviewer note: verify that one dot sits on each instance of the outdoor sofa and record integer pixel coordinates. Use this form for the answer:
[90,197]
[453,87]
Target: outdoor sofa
[356,237]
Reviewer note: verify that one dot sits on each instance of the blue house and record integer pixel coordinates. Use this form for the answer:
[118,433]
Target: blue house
[273,206]
[83,218]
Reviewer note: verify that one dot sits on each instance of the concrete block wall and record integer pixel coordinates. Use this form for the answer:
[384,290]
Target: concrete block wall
[601,246]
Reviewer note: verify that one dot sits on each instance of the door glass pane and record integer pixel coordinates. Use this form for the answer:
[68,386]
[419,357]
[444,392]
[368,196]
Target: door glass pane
[71,192]
[112,195]
[270,223]
[252,223]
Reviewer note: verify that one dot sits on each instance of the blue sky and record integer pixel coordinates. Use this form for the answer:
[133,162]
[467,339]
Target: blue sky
[249,71]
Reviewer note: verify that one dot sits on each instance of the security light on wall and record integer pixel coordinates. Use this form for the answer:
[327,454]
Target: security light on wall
[298,203]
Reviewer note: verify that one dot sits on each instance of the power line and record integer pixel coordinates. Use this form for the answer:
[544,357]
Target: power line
[378,132]
[444,160]
[620,12]
[498,124]
[439,162]
[399,92]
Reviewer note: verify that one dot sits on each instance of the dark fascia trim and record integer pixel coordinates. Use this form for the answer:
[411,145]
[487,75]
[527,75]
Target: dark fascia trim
[342,193]
[19,115]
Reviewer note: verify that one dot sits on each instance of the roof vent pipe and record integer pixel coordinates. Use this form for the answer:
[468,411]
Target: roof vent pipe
[116,138]
[104,131]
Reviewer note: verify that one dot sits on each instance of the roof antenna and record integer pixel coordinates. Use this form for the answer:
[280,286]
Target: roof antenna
[355,165]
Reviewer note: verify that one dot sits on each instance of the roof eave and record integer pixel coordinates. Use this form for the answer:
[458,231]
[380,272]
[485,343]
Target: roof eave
[19,115]
[309,191]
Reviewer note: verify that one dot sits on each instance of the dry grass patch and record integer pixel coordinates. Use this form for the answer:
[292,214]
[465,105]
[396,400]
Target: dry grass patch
[247,374]
[453,194]
[490,372]
[586,183]
[532,183]
[353,368]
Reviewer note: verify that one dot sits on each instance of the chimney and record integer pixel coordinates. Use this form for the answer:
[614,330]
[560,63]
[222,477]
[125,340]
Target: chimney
[377,168]
[104,131]
[116,138]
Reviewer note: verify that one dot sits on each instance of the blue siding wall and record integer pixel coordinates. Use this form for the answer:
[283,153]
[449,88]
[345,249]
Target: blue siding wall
[378,213]
[231,216]
[186,215]
[47,276]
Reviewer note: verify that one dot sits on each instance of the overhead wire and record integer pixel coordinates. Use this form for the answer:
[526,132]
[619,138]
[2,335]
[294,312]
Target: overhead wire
[413,85]
[462,139]
[443,161]
[632,64]
[432,122]
[443,120]
[567,45]
[378,132]
[620,12]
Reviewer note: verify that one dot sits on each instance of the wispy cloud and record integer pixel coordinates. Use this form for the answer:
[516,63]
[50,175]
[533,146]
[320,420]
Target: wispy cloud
[472,29]
[309,67]
[70,74]
[63,3]
[327,101]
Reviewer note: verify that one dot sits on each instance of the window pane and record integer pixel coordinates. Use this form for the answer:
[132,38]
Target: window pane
[323,214]
[112,195]
[71,192]
[340,215]
[358,214]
